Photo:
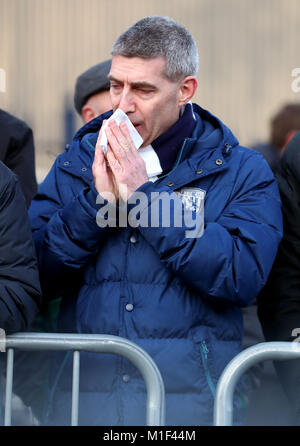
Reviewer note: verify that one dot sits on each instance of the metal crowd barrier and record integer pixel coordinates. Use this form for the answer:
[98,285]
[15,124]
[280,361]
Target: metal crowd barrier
[155,411]
[223,408]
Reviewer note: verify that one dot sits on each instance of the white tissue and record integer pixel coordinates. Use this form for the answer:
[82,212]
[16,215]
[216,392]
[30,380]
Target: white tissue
[147,153]
[119,116]
[153,166]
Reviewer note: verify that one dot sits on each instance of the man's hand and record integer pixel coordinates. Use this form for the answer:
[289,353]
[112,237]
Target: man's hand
[103,176]
[127,166]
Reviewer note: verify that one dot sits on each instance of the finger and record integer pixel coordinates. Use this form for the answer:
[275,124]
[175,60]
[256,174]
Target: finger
[100,163]
[133,152]
[99,167]
[118,150]
[114,164]
[99,158]
[99,154]
[125,134]
[124,140]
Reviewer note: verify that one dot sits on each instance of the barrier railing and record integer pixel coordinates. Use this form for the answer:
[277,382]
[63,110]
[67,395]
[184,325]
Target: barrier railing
[155,410]
[223,408]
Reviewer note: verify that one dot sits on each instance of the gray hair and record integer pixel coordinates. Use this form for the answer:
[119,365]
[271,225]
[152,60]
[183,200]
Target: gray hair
[158,36]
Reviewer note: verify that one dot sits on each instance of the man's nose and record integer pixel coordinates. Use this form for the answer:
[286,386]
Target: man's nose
[127,104]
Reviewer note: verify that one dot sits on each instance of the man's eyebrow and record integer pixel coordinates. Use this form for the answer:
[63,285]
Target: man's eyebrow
[142,84]
[111,78]
[139,84]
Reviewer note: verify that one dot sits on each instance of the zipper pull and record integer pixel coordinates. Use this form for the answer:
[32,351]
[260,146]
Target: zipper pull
[204,348]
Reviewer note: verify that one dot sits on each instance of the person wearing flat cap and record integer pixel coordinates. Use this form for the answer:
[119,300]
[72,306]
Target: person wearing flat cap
[91,97]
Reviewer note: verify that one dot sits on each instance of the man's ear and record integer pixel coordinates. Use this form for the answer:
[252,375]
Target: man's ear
[187,89]
[88,113]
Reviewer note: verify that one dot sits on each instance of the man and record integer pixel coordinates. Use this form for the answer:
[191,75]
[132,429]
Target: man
[91,97]
[17,152]
[279,302]
[170,286]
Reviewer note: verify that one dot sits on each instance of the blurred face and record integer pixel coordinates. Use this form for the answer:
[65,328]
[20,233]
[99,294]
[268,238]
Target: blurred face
[101,102]
[139,89]
[97,104]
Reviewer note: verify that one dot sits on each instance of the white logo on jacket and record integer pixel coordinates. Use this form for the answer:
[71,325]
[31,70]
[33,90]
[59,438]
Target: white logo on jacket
[192,198]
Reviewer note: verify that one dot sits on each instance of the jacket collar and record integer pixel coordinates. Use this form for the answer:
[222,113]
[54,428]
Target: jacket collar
[206,152]
[167,146]
[192,169]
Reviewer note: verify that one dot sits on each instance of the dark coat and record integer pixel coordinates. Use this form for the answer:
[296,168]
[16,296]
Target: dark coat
[17,152]
[179,298]
[19,281]
[279,302]
[270,153]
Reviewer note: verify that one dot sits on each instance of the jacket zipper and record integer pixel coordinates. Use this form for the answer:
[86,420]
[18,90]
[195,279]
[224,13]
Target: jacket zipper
[204,353]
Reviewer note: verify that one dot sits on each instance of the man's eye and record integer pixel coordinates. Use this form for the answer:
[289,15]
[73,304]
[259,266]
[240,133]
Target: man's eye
[115,86]
[146,91]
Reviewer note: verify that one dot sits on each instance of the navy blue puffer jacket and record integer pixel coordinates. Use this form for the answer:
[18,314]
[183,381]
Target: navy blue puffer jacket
[184,293]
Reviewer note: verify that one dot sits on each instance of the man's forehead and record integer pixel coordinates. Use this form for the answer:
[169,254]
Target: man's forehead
[136,69]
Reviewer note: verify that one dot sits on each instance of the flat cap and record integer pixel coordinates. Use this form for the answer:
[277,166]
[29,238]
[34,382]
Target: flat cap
[90,82]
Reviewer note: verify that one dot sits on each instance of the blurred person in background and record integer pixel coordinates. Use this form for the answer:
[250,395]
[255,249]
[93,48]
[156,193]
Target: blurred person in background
[20,293]
[283,126]
[91,96]
[19,281]
[17,152]
[268,403]
[279,301]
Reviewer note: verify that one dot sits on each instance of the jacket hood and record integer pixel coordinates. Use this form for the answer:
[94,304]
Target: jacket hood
[210,131]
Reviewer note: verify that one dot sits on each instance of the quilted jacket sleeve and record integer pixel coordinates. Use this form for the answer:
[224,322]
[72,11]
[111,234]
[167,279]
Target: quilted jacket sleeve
[20,158]
[17,152]
[19,281]
[65,230]
[230,262]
